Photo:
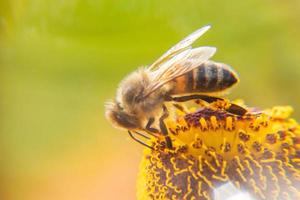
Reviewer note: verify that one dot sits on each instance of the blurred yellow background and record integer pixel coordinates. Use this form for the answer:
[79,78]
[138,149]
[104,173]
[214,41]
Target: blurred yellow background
[62,59]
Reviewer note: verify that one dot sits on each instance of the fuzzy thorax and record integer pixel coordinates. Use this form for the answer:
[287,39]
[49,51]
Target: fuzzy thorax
[131,93]
[259,153]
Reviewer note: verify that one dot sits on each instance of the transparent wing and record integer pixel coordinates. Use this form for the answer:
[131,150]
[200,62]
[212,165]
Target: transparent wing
[177,66]
[180,47]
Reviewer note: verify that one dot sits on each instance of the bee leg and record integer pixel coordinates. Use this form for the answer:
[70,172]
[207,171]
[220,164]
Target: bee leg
[236,109]
[233,109]
[208,99]
[180,107]
[139,141]
[163,127]
[149,128]
[142,135]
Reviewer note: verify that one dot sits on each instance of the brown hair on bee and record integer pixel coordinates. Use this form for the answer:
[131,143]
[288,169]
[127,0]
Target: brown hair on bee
[120,119]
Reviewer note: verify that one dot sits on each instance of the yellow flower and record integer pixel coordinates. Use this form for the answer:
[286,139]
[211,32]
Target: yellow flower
[258,152]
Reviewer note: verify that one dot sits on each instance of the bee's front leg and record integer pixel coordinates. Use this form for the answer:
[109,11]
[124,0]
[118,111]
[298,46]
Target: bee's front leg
[149,126]
[138,140]
[163,127]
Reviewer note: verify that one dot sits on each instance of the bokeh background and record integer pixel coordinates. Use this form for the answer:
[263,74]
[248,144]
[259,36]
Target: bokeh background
[62,59]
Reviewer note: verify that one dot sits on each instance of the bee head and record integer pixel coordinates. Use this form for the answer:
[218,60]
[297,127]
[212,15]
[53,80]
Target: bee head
[130,107]
[119,117]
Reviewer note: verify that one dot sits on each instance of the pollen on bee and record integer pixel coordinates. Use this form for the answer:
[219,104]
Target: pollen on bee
[256,152]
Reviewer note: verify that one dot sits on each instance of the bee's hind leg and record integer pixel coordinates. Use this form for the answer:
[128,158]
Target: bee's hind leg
[163,127]
[208,99]
[138,140]
[233,109]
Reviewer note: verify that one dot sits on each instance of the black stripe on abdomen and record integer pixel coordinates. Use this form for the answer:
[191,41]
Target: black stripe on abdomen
[207,77]
[212,77]
[200,78]
[189,84]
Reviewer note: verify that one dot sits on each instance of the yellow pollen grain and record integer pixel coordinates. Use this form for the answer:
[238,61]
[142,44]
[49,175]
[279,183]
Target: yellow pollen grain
[200,164]
[229,123]
[214,122]
[193,173]
[223,168]
[256,189]
[238,161]
[205,179]
[189,190]
[241,174]
[199,191]
[249,167]
[214,156]
[220,178]
[203,124]
[210,166]
[205,194]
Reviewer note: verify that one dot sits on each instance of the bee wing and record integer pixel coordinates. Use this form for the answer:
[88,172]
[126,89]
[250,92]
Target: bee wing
[178,65]
[180,47]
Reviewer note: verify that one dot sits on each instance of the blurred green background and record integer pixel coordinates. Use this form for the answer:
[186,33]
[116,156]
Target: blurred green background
[62,59]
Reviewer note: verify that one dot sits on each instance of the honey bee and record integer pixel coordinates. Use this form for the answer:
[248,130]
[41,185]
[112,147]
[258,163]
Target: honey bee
[181,74]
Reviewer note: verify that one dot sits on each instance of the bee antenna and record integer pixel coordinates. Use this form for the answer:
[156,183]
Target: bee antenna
[109,105]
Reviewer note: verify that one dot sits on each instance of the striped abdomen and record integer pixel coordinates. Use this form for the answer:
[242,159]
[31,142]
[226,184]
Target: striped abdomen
[209,77]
